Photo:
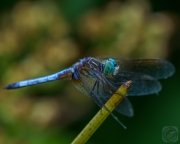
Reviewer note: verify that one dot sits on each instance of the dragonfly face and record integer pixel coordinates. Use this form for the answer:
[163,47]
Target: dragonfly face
[99,78]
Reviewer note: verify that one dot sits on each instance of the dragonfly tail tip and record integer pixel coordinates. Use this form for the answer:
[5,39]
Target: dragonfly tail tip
[6,87]
[10,86]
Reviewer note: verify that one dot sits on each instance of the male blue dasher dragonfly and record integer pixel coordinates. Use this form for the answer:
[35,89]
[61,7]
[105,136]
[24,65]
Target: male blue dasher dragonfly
[99,78]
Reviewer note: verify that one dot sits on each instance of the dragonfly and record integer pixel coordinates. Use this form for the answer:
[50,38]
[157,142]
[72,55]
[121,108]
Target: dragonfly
[100,77]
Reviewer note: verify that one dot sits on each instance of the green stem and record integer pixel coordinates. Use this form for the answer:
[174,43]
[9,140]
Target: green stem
[98,119]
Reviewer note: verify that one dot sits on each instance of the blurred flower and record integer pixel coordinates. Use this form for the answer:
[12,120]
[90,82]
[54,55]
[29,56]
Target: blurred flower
[35,39]
[128,30]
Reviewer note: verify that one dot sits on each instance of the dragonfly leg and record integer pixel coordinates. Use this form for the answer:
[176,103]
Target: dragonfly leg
[112,113]
[93,88]
[98,94]
[97,86]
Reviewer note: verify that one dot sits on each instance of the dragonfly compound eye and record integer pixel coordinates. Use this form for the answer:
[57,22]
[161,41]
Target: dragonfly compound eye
[109,67]
[116,66]
[113,61]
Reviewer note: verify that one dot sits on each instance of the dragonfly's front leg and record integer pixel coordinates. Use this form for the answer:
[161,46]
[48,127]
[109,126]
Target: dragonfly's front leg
[92,91]
[97,94]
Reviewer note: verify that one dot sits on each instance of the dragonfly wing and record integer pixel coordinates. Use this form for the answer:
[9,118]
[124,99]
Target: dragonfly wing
[100,88]
[141,84]
[101,97]
[157,68]
[125,108]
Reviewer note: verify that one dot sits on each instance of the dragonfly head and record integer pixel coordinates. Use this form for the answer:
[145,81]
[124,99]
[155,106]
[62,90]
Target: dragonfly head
[111,67]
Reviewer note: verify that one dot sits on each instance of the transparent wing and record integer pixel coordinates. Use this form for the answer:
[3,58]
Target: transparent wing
[143,73]
[141,84]
[157,68]
[125,107]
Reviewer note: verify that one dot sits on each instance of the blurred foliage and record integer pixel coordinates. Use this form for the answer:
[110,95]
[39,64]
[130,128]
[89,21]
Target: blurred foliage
[127,30]
[37,38]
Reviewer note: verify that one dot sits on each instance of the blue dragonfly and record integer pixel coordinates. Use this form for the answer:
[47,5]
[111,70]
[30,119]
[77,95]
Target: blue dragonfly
[100,77]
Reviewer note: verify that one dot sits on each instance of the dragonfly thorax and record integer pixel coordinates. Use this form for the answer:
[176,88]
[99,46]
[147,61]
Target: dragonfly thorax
[110,67]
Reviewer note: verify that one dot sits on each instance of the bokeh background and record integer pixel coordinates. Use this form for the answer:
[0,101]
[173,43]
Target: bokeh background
[38,38]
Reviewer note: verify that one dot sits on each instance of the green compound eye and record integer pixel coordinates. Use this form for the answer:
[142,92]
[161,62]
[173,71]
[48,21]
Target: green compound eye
[110,67]
[114,62]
